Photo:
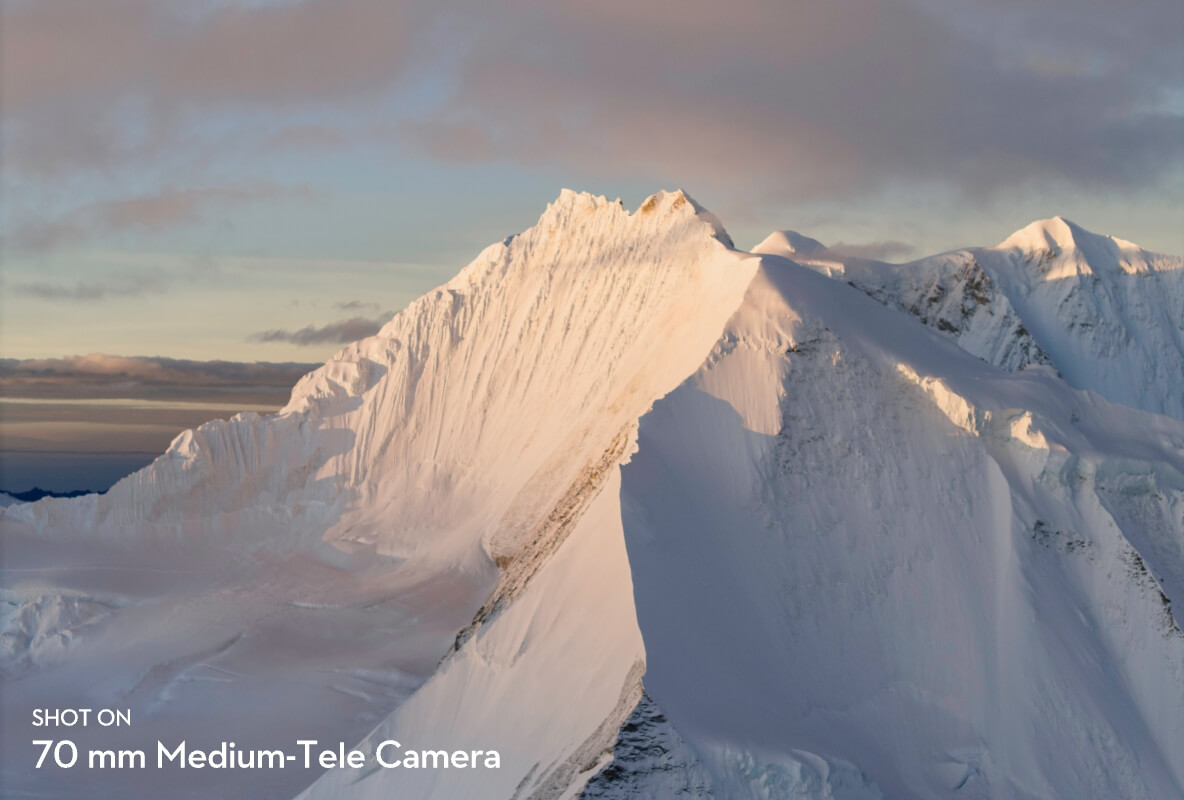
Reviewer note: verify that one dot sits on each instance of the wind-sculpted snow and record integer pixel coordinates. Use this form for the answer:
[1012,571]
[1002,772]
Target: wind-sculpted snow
[656,518]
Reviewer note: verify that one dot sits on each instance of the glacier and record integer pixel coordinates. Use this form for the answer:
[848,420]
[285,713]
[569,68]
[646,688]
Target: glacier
[656,517]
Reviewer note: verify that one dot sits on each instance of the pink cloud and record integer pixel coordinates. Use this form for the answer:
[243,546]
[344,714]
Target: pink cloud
[63,50]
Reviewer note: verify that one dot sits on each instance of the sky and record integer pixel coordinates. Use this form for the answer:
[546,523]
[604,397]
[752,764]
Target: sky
[265,180]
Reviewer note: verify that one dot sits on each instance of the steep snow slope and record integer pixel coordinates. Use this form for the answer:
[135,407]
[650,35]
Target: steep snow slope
[300,575]
[1108,315]
[867,563]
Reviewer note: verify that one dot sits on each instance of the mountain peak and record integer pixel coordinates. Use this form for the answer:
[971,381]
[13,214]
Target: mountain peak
[781,243]
[1063,248]
[1055,234]
[661,209]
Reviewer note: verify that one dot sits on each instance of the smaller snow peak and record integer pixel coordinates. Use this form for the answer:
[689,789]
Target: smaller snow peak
[1059,248]
[787,243]
[1055,235]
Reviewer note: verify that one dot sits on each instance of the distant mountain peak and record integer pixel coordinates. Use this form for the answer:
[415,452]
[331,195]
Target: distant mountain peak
[1059,248]
[1055,234]
[788,242]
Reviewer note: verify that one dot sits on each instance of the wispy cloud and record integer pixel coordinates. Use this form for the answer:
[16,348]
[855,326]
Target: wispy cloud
[342,332]
[100,376]
[130,283]
[357,305]
[150,213]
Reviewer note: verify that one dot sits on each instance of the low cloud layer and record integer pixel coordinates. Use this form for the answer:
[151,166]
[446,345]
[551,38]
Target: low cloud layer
[343,332]
[99,376]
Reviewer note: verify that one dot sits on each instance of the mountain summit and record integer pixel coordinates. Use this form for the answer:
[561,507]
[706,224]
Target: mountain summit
[654,517]
[1055,234]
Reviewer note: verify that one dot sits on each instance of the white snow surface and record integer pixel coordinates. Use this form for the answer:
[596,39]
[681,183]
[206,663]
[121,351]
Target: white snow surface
[663,519]
[863,560]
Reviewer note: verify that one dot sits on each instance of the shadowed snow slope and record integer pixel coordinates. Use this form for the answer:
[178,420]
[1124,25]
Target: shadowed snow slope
[858,570]
[656,518]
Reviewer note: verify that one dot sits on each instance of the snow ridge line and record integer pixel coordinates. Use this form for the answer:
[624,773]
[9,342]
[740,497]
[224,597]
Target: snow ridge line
[517,570]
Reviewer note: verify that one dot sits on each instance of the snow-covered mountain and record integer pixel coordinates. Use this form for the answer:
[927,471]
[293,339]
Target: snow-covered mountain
[654,517]
[1108,315]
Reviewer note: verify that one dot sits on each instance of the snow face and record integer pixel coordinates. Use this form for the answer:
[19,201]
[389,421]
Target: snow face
[892,575]
[657,518]
[1109,315]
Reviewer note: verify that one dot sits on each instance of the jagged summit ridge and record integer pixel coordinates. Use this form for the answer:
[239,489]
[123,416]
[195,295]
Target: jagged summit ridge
[663,210]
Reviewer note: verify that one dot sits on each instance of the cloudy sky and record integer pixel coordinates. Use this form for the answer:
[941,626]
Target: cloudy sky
[252,180]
